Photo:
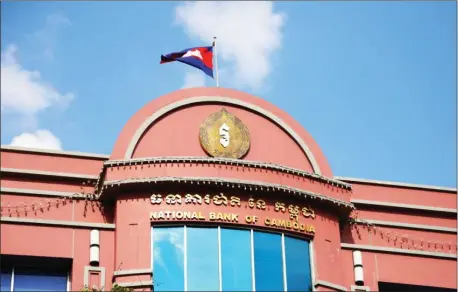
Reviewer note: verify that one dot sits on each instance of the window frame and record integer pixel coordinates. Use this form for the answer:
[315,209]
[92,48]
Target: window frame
[252,229]
[13,270]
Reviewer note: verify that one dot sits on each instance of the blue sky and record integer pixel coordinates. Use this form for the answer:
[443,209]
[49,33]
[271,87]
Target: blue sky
[373,82]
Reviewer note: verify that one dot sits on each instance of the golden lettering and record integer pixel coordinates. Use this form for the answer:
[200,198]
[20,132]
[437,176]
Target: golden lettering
[201,217]
[235,201]
[173,199]
[308,212]
[248,219]
[212,216]
[156,199]
[220,200]
[261,204]
[293,212]
[280,207]
[251,203]
[207,199]
[186,215]
[193,199]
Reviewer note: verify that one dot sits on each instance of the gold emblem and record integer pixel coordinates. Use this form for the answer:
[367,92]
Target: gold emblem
[224,135]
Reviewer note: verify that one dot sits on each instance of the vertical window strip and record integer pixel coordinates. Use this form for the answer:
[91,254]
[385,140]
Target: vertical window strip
[152,257]
[312,264]
[252,261]
[283,256]
[185,257]
[12,279]
[68,282]
[219,261]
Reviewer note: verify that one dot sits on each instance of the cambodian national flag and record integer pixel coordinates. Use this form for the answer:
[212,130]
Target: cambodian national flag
[198,57]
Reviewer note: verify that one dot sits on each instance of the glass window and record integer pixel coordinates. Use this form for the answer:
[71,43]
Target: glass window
[5,284]
[28,279]
[236,260]
[202,259]
[268,261]
[297,258]
[168,258]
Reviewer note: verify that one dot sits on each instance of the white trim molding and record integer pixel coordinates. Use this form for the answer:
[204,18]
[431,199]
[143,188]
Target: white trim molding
[139,284]
[382,249]
[403,206]
[395,184]
[41,193]
[407,225]
[224,100]
[123,273]
[231,182]
[355,288]
[60,223]
[225,161]
[327,284]
[55,152]
[48,173]
[101,270]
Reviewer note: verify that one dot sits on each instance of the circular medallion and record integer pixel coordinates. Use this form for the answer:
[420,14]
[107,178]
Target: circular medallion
[224,135]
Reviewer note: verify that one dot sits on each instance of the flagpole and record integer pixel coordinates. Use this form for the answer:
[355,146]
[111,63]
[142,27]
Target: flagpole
[216,61]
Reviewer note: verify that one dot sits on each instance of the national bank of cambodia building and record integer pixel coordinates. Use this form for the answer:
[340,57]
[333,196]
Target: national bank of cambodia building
[212,189]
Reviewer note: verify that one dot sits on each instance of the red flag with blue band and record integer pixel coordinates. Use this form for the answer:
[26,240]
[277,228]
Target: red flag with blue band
[198,57]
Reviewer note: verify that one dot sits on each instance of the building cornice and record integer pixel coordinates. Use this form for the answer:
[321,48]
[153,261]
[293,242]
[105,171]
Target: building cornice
[59,223]
[48,173]
[407,225]
[227,161]
[55,152]
[395,184]
[404,206]
[231,183]
[41,193]
[383,249]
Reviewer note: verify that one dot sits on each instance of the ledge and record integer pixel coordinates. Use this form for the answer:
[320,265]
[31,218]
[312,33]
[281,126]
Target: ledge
[55,152]
[408,225]
[395,184]
[132,272]
[227,161]
[404,206]
[60,223]
[330,285]
[382,249]
[42,193]
[48,173]
[231,182]
[139,284]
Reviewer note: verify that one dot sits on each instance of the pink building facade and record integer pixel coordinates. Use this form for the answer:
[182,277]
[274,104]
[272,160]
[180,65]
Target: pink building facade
[165,211]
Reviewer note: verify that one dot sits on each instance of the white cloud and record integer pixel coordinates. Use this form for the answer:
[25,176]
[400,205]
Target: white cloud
[23,91]
[42,139]
[45,39]
[194,79]
[248,33]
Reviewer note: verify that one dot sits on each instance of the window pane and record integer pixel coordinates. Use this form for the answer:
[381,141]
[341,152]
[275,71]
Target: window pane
[236,260]
[202,255]
[39,280]
[168,258]
[298,276]
[6,280]
[268,264]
